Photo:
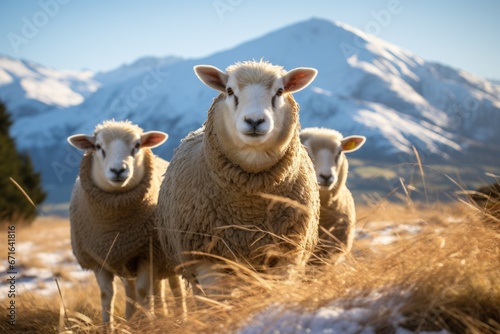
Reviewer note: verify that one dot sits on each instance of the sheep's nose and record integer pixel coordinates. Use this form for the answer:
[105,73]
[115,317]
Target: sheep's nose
[119,171]
[254,123]
[326,179]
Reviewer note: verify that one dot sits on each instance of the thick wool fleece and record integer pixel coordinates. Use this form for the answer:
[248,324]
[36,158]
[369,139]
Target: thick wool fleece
[113,230]
[209,204]
[338,216]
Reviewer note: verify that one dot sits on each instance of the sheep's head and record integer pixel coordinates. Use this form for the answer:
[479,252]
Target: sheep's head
[326,148]
[255,115]
[117,153]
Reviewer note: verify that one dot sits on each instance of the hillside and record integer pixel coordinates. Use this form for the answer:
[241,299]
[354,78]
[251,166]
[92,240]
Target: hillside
[30,89]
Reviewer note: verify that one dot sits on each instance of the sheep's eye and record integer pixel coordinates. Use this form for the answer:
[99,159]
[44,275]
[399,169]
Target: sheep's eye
[99,148]
[230,92]
[135,149]
[279,92]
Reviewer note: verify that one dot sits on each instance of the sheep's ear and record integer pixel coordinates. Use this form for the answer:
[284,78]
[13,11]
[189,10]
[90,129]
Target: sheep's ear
[212,77]
[153,138]
[352,143]
[82,142]
[298,79]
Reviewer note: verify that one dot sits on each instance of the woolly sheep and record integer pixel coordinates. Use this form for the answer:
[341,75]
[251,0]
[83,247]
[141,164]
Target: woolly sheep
[112,212]
[242,187]
[327,149]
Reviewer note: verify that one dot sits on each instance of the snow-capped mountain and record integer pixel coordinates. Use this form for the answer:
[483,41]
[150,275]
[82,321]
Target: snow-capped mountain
[29,89]
[138,67]
[365,86]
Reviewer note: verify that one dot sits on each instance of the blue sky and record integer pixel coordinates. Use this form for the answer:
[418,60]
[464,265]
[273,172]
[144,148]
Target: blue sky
[101,35]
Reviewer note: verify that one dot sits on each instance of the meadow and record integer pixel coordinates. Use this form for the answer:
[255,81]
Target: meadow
[414,268]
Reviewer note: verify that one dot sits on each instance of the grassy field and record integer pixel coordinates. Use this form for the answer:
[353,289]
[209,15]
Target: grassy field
[413,268]
[439,182]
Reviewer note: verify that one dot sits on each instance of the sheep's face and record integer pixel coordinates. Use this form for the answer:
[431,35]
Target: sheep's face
[255,119]
[326,163]
[254,112]
[117,163]
[326,149]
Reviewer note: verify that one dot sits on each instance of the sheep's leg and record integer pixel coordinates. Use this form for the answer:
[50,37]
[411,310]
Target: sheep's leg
[159,296]
[106,285]
[288,272]
[209,286]
[179,292]
[144,287]
[129,285]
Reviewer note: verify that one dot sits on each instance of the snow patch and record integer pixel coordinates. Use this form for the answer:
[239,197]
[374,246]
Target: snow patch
[41,279]
[5,78]
[50,91]
[349,316]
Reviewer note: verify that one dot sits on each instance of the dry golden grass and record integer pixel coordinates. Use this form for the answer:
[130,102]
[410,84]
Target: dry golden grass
[445,277]
[56,226]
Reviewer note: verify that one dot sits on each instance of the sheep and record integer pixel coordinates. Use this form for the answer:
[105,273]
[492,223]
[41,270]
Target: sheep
[112,209]
[327,149]
[242,188]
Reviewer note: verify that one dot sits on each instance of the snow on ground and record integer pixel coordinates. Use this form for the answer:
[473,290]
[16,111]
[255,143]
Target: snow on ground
[331,319]
[386,232]
[334,318]
[36,270]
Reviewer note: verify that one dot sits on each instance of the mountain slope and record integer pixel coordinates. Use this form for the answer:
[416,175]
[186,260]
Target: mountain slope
[138,67]
[365,86]
[29,88]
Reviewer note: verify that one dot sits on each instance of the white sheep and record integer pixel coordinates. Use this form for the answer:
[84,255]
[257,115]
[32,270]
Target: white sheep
[242,187]
[112,211]
[327,149]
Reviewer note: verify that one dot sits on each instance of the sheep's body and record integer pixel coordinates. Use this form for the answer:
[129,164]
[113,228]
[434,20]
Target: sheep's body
[326,148]
[113,230]
[337,219]
[112,212]
[210,204]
